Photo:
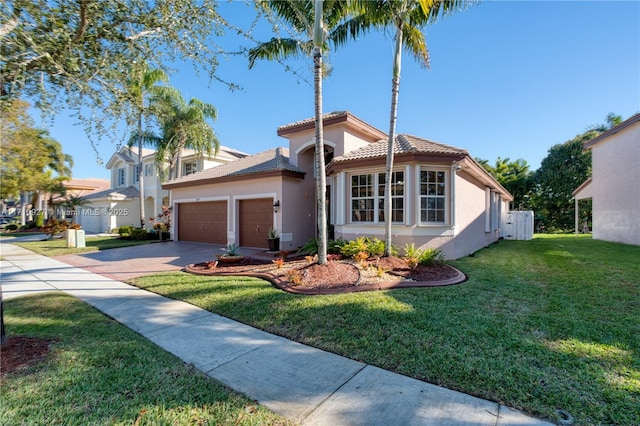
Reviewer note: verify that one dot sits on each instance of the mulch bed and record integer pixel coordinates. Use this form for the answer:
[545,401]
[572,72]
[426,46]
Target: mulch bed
[20,352]
[337,276]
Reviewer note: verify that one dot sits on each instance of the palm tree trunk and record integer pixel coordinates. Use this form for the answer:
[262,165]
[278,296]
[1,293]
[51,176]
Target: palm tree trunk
[321,179]
[140,172]
[395,89]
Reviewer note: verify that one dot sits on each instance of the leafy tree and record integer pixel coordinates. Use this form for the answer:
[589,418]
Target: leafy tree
[32,161]
[184,125]
[84,48]
[406,18]
[515,176]
[565,167]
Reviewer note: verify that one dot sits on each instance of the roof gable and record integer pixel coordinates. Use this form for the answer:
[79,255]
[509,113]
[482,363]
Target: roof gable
[273,160]
[330,119]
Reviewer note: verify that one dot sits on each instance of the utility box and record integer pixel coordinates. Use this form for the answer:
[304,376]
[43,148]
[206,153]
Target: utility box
[76,238]
[71,237]
[518,225]
[80,238]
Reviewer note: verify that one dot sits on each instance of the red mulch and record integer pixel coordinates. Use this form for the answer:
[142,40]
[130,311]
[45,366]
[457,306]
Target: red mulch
[300,276]
[20,352]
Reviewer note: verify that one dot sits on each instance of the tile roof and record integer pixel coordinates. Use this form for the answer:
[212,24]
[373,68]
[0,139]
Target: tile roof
[327,118]
[404,144]
[128,192]
[275,159]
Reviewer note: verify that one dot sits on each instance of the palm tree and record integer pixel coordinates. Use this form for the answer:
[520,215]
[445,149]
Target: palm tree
[406,17]
[73,202]
[184,125]
[141,89]
[312,30]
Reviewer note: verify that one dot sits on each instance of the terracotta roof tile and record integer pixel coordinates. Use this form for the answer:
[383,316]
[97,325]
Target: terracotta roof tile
[275,159]
[404,144]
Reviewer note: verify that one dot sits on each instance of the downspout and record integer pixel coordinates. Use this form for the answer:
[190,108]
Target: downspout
[455,168]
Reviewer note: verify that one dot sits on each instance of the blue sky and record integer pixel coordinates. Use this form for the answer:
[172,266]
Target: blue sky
[507,79]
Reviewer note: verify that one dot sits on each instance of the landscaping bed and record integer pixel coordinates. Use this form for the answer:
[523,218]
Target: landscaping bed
[337,276]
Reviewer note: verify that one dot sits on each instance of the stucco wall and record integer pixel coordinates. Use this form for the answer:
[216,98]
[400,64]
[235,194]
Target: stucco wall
[103,216]
[294,220]
[616,187]
[463,234]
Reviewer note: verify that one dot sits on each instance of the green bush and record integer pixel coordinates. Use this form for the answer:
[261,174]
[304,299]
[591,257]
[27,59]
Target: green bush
[372,246]
[138,234]
[426,257]
[125,231]
[40,219]
[11,227]
[311,247]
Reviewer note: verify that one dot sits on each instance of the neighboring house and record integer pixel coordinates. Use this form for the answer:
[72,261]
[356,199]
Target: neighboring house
[119,204]
[615,183]
[77,188]
[441,196]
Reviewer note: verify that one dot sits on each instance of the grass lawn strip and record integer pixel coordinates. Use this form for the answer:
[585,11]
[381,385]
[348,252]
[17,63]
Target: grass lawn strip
[59,246]
[101,373]
[543,325]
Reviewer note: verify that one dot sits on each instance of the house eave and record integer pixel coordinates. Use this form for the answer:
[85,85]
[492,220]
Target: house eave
[233,178]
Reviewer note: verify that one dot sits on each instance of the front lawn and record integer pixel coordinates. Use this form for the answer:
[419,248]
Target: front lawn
[59,246]
[99,372]
[544,325]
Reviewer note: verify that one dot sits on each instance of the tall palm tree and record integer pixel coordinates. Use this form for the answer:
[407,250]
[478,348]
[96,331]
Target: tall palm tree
[184,125]
[314,25]
[406,18]
[140,90]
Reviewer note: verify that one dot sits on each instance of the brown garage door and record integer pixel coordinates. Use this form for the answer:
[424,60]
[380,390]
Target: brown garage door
[204,222]
[256,217]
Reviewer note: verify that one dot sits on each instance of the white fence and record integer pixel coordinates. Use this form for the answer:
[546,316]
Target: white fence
[518,225]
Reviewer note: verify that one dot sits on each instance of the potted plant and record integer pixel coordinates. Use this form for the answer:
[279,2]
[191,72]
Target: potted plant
[273,238]
[231,254]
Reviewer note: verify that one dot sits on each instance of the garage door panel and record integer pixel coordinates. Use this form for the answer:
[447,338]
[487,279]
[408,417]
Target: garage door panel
[204,222]
[256,217]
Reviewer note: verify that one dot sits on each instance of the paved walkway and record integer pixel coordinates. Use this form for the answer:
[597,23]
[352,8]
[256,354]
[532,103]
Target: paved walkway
[302,383]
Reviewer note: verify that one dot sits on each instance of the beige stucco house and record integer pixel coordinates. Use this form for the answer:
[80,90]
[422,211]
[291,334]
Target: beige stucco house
[615,183]
[441,196]
[119,204]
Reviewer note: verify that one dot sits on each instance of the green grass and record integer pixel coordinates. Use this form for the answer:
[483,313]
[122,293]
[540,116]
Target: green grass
[59,246]
[101,373]
[543,325]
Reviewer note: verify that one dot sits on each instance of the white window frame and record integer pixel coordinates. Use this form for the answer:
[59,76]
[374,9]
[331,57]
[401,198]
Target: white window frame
[148,170]
[136,175]
[371,197]
[121,177]
[437,190]
[190,165]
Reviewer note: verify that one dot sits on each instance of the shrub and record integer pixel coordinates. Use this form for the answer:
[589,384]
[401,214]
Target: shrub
[125,231]
[54,227]
[139,234]
[431,256]
[372,246]
[427,257]
[11,227]
[40,219]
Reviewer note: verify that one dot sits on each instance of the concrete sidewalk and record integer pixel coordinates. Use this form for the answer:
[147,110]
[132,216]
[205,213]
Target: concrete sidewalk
[302,383]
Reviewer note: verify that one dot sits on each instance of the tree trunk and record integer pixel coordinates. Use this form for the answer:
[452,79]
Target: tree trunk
[395,89]
[321,178]
[140,173]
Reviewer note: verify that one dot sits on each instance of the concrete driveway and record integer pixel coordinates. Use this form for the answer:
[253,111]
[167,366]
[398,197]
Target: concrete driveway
[129,262]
